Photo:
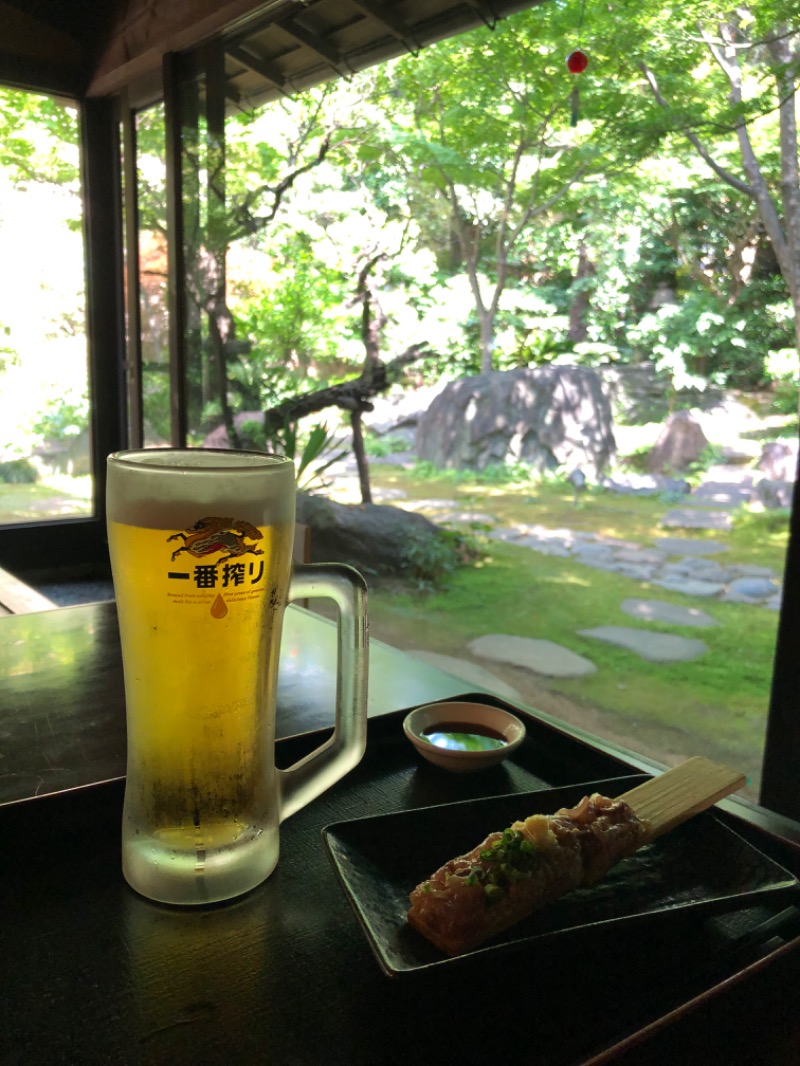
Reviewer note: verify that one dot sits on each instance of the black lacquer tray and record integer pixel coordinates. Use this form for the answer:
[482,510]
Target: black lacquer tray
[91,973]
[701,865]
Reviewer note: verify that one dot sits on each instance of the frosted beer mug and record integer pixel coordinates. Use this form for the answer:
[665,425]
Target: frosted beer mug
[201,555]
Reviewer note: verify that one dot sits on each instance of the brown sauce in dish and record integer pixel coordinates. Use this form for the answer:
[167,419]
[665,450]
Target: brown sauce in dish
[464,736]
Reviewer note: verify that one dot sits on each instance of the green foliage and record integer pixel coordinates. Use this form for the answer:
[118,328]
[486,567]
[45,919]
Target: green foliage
[782,370]
[380,447]
[429,560]
[313,454]
[708,338]
[710,456]
[63,418]
[18,472]
[508,473]
[38,138]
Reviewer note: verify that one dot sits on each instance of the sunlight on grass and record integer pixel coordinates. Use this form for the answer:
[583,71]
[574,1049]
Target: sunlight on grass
[715,704]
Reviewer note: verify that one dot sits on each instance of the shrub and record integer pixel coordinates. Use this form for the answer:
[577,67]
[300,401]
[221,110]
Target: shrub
[429,559]
[18,472]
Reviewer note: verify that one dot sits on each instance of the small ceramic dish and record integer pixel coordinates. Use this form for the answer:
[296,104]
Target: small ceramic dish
[463,737]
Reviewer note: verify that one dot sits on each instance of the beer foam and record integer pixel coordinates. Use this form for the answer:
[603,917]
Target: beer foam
[174,488]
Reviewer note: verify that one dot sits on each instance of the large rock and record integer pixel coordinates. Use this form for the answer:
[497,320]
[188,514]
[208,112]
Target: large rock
[552,416]
[374,538]
[681,443]
[778,460]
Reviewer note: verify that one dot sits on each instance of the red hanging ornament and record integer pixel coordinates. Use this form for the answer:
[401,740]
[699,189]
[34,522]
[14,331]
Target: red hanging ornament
[577,62]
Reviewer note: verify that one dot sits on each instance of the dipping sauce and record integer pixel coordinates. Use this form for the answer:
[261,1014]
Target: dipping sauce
[464,736]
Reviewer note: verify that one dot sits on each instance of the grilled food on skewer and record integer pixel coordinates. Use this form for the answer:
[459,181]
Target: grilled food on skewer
[475,896]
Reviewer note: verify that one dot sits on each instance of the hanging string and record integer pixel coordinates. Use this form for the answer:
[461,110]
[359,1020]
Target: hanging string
[577,62]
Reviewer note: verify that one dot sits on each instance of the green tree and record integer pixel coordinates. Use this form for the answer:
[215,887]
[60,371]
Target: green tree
[724,81]
[480,129]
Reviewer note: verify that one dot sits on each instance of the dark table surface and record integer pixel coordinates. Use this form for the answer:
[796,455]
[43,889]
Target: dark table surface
[62,707]
[91,973]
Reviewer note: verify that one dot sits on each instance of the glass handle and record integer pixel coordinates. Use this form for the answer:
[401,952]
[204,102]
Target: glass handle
[320,769]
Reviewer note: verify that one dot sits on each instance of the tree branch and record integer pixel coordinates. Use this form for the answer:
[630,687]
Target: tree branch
[727,176]
[353,395]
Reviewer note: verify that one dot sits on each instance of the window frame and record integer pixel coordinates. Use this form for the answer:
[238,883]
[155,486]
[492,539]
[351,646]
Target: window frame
[29,546]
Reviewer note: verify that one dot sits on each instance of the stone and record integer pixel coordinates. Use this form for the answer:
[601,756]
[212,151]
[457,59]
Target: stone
[690,546]
[544,547]
[751,570]
[697,519]
[690,587]
[774,495]
[507,533]
[639,555]
[541,656]
[637,571]
[646,485]
[467,518]
[700,569]
[549,417]
[682,442]
[467,671]
[778,460]
[372,537]
[672,613]
[753,588]
[655,647]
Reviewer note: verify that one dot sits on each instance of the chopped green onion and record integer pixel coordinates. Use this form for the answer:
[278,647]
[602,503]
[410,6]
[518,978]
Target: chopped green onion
[493,893]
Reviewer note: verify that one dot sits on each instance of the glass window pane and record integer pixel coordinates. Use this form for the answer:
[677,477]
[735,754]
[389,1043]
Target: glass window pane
[45,465]
[151,198]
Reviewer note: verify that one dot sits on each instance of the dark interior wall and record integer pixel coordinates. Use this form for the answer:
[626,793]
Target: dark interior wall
[53,45]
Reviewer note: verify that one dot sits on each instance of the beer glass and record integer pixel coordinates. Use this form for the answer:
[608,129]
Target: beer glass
[201,555]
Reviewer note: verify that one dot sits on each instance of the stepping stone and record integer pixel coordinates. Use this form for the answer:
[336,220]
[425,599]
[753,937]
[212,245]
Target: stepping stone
[585,552]
[699,519]
[749,589]
[640,555]
[541,656]
[544,547]
[430,505]
[656,647]
[661,611]
[751,570]
[691,587]
[697,569]
[470,672]
[690,546]
[466,516]
[639,572]
[389,494]
[504,533]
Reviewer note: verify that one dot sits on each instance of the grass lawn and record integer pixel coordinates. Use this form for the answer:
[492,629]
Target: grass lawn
[714,705]
[62,496]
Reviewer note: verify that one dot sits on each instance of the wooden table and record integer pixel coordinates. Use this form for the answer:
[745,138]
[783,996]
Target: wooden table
[91,973]
[62,708]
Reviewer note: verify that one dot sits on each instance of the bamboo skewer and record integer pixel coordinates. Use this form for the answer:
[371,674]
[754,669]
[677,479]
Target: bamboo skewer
[682,792]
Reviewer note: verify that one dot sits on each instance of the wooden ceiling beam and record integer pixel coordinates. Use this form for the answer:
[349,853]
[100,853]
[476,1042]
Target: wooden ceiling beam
[385,17]
[316,45]
[262,67]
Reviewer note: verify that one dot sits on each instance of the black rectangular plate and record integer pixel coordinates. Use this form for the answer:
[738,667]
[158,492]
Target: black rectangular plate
[379,860]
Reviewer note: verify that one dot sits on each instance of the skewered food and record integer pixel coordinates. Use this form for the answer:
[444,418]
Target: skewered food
[475,896]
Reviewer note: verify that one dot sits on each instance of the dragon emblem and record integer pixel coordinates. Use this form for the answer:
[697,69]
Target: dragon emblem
[211,535]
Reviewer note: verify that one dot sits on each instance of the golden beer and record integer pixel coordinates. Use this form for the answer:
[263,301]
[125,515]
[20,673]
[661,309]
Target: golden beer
[200,545]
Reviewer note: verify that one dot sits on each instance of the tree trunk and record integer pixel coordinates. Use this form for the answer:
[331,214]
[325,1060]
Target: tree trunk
[486,339]
[581,301]
[361,456]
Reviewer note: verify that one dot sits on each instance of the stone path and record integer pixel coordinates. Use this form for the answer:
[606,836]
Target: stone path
[683,564]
